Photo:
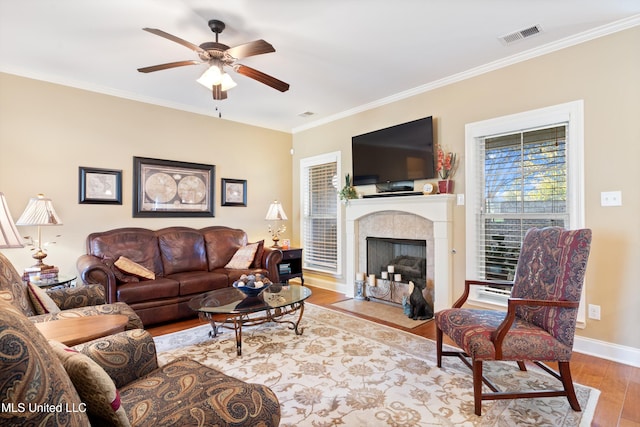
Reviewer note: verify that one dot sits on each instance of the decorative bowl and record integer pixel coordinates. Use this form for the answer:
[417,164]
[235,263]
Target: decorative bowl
[252,285]
[251,292]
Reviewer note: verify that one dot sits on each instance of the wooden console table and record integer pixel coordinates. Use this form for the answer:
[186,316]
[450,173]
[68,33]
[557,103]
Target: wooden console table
[82,329]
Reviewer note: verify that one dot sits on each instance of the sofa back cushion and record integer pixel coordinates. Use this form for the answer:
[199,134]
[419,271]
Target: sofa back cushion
[138,244]
[221,243]
[32,375]
[182,249]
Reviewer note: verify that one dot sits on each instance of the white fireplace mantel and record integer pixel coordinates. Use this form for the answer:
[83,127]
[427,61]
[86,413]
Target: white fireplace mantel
[436,208]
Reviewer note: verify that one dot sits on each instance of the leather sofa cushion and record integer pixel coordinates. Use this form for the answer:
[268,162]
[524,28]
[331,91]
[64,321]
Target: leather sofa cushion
[138,244]
[197,282]
[148,290]
[182,249]
[221,243]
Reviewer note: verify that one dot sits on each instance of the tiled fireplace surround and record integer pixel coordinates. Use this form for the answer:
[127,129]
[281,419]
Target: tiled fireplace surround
[428,218]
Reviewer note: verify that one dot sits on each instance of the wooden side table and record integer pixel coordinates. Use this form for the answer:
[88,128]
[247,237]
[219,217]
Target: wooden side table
[82,329]
[291,265]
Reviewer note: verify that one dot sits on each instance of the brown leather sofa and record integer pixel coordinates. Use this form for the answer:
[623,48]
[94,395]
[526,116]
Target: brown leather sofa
[186,263]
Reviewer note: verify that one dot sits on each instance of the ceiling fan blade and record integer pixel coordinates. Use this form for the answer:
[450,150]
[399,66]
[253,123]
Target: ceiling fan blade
[167,66]
[178,40]
[257,47]
[218,93]
[262,77]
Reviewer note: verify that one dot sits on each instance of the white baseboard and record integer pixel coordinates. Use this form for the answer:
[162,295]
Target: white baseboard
[606,350]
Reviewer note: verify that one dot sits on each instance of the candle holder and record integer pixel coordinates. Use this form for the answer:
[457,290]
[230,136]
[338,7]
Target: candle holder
[359,291]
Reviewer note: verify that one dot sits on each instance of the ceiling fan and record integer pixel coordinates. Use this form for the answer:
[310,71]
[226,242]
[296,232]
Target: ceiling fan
[218,56]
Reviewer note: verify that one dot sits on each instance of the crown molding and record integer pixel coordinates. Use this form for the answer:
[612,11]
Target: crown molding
[574,40]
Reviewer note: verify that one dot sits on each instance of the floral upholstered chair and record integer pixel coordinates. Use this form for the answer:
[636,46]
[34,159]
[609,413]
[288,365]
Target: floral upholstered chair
[116,381]
[540,321]
[41,306]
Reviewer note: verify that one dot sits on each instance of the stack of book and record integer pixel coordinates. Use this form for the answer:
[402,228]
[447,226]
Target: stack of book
[39,275]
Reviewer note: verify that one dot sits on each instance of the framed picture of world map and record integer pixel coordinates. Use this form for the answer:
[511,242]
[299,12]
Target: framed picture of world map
[100,186]
[167,188]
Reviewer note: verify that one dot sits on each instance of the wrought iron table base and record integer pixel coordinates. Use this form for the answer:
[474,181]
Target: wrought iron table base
[236,321]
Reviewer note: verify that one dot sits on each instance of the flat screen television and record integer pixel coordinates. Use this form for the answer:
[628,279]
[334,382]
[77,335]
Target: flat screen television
[401,153]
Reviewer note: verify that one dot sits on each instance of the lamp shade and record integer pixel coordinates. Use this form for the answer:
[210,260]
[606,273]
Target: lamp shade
[276,212]
[9,237]
[39,211]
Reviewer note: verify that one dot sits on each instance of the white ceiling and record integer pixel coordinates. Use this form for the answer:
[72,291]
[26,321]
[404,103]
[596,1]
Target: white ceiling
[339,56]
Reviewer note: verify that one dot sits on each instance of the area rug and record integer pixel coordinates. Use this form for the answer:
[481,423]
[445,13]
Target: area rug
[347,371]
[380,310]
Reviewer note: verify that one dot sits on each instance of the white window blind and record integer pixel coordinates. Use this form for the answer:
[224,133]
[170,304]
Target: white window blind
[522,170]
[320,215]
[523,176]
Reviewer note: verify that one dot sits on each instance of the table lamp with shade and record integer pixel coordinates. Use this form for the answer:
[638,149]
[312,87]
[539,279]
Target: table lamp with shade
[276,213]
[9,236]
[40,212]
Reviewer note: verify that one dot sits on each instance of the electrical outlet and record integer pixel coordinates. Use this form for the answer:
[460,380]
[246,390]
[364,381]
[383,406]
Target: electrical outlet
[594,312]
[611,198]
[460,199]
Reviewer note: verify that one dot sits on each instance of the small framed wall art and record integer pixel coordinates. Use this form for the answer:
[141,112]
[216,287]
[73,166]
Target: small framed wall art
[234,192]
[100,186]
[166,188]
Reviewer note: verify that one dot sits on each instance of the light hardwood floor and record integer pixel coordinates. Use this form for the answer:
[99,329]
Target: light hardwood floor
[619,385]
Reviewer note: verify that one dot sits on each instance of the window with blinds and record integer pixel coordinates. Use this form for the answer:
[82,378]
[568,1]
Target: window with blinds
[522,170]
[320,214]
[524,185]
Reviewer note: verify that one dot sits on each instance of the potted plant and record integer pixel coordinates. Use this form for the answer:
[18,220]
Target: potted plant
[348,192]
[446,168]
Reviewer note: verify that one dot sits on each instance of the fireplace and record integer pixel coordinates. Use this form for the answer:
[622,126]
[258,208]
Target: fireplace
[395,262]
[428,219]
[407,257]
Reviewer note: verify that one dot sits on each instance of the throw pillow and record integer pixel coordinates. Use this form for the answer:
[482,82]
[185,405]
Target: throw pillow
[120,276]
[257,260]
[131,267]
[42,302]
[243,257]
[94,386]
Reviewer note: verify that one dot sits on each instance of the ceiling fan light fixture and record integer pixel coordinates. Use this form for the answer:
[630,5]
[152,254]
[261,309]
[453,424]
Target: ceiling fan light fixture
[214,76]
[227,82]
[218,56]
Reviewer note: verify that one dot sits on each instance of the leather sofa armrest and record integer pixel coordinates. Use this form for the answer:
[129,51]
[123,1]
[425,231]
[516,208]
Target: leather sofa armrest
[131,355]
[93,270]
[270,260]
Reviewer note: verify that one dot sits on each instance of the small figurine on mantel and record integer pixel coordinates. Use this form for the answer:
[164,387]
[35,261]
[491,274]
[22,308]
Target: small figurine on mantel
[419,308]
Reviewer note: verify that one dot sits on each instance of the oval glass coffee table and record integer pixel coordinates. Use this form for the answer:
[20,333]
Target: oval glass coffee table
[231,308]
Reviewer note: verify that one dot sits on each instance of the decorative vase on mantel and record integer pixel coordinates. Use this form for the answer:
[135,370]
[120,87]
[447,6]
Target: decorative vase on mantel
[445,186]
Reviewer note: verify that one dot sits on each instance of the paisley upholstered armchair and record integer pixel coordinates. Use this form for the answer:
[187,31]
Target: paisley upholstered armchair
[540,321]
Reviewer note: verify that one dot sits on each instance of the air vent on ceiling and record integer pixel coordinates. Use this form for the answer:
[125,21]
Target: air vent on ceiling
[520,35]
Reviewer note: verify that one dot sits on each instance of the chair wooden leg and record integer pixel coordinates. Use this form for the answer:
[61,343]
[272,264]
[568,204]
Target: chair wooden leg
[438,347]
[477,387]
[567,382]
[521,365]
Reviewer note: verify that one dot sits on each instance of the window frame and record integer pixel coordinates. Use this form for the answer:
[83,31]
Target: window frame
[305,164]
[571,114]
